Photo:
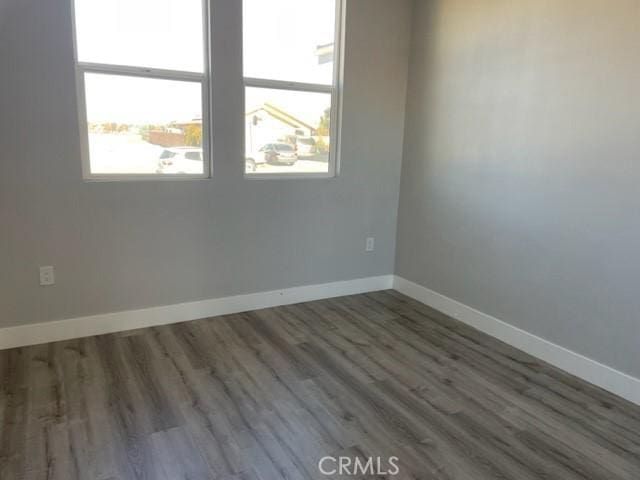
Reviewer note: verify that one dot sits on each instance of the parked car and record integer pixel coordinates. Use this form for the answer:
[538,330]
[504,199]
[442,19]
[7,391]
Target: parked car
[280,153]
[254,159]
[306,147]
[181,160]
[272,153]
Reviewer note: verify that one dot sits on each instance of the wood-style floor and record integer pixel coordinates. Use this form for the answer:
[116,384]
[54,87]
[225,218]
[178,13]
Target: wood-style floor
[267,394]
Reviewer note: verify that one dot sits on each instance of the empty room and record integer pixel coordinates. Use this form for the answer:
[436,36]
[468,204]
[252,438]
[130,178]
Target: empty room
[319,239]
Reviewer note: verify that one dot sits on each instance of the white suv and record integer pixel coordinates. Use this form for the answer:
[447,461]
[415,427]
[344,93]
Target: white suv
[181,160]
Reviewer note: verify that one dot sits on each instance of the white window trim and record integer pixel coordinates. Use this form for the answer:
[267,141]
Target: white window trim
[336,91]
[156,73]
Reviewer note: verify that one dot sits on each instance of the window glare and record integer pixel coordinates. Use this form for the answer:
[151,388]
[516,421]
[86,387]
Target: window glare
[132,132]
[289,40]
[166,34]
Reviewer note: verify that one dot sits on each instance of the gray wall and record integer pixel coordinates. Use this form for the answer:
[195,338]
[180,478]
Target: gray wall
[118,246]
[520,191]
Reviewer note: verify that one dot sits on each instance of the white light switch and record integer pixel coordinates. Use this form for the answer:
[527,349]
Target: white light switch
[370,245]
[47,276]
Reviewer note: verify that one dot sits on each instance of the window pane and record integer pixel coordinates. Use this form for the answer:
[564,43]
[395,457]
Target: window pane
[144,125]
[287,132]
[145,33]
[289,40]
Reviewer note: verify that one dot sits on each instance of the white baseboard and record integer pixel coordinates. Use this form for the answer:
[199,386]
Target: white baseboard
[605,377]
[53,331]
[617,382]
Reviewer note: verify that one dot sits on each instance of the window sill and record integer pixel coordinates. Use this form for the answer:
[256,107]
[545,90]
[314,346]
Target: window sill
[288,176]
[143,178]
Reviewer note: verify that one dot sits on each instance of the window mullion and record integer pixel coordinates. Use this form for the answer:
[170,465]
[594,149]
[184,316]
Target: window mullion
[140,72]
[285,85]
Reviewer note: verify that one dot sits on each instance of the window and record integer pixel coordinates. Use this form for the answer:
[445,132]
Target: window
[292,52]
[143,82]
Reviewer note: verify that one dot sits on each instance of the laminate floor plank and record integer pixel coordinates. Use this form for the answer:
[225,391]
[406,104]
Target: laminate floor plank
[267,394]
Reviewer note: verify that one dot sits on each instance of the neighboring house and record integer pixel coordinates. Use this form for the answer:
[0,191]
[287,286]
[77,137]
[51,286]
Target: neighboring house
[178,134]
[184,124]
[269,123]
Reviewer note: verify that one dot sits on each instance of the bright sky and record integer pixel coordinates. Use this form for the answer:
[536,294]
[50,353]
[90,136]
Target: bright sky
[280,40]
[281,37]
[145,33]
[141,101]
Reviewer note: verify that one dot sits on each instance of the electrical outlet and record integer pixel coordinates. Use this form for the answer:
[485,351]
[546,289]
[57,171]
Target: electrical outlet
[47,276]
[370,244]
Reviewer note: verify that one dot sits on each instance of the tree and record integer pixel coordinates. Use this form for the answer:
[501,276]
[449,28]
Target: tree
[109,127]
[193,135]
[325,123]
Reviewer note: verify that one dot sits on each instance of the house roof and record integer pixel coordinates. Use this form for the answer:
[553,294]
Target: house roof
[282,116]
[191,121]
[325,53]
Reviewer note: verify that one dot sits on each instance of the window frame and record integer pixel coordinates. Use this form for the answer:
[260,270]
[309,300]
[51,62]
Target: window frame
[204,78]
[335,89]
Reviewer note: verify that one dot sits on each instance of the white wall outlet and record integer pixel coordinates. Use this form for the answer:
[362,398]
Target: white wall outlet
[47,276]
[370,244]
